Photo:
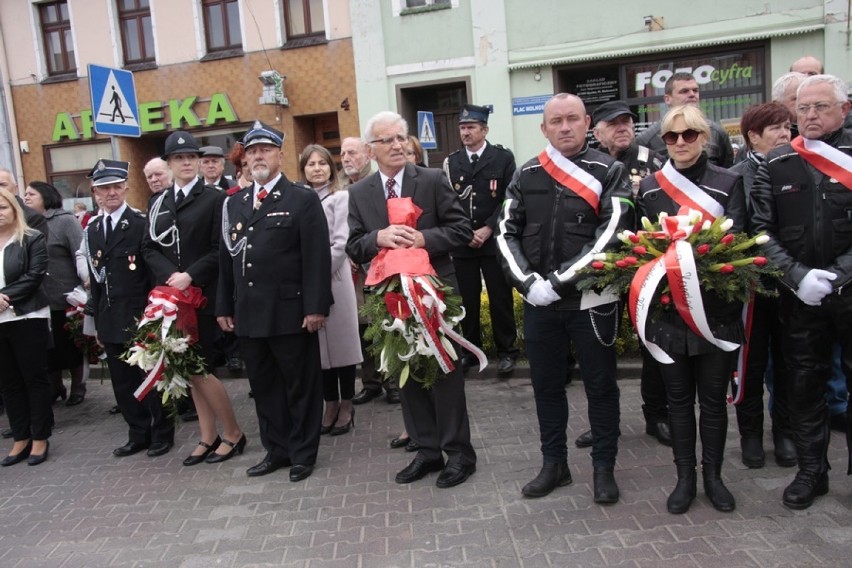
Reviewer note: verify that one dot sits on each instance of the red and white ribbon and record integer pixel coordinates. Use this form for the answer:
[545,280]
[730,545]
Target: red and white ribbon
[739,378]
[571,176]
[827,159]
[687,194]
[160,306]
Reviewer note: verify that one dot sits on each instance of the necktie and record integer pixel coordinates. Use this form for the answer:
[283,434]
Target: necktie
[108,228]
[391,192]
[474,158]
[179,197]
[261,195]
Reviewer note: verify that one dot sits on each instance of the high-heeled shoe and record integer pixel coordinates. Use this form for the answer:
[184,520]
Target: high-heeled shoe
[12,459]
[338,430]
[197,459]
[236,448]
[36,459]
[327,429]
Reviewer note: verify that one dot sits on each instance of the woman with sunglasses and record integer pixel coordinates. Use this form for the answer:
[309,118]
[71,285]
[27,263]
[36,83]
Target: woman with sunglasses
[688,179]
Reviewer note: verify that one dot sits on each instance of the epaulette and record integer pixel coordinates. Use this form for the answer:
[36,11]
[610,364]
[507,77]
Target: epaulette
[454,152]
[137,212]
[234,190]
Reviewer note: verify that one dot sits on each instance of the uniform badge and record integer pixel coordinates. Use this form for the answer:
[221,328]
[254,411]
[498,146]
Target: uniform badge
[233,236]
[239,226]
[458,186]
[100,253]
[181,140]
[493,188]
[101,166]
[95,262]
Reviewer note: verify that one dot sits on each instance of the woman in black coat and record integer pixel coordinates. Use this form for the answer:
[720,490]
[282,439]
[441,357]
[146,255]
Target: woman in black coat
[698,366]
[24,334]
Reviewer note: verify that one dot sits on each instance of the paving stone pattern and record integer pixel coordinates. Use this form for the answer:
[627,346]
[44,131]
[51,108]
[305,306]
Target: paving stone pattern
[85,508]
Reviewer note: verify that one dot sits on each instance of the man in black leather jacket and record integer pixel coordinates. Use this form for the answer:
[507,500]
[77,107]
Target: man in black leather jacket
[802,197]
[561,209]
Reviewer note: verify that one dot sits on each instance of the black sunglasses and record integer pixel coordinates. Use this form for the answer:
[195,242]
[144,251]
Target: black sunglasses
[689,136]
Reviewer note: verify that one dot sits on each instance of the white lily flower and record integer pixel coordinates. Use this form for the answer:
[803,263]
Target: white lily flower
[706,225]
[600,256]
[726,226]
[448,346]
[762,239]
[646,224]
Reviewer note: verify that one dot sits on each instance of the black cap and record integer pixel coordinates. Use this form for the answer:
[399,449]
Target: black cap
[109,171]
[261,133]
[212,151]
[180,142]
[473,113]
[611,110]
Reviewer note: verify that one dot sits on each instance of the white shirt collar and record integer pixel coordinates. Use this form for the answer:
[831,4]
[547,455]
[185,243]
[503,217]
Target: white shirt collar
[268,185]
[115,216]
[185,189]
[397,178]
[478,151]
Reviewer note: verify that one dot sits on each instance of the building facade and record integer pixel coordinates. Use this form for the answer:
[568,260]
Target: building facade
[436,55]
[211,67]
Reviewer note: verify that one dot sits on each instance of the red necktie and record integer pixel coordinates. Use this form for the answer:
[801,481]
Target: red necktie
[261,195]
[391,192]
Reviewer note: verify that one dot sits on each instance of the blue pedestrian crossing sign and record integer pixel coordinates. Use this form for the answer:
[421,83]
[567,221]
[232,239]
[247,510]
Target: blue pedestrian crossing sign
[114,107]
[426,130]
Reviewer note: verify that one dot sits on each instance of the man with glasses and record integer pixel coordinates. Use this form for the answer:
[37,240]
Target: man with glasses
[436,418]
[802,198]
[682,89]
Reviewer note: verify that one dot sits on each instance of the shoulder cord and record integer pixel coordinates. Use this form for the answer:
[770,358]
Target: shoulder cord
[172,231]
[99,275]
[238,246]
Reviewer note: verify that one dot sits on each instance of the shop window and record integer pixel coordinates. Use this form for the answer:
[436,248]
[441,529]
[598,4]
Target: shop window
[137,36]
[304,18]
[58,41]
[222,25]
[68,167]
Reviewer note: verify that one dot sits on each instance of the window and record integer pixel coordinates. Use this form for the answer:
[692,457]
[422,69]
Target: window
[303,18]
[222,24]
[67,167]
[137,36]
[419,3]
[58,42]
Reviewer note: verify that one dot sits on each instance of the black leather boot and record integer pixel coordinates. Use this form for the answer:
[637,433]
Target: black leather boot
[605,488]
[551,476]
[806,487]
[684,492]
[715,490]
[752,452]
[849,440]
[785,449]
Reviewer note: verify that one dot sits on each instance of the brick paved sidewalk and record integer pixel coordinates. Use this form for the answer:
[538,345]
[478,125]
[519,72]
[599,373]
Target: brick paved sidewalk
[85,508]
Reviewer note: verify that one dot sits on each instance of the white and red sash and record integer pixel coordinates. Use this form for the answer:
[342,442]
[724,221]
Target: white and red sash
[827,159]
[568,174]
[687,194]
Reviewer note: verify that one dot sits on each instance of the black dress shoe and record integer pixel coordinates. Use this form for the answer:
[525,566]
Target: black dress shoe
[114,410]
[551,476]
[468,361]
[505,365]
[785,450]
[36,459]
[752,452]
[7,433]
[129,449]
[300,471]
[660,430]
[159,449]
[392,396]
[366,396]
[19,457]
[197,459]
[236,448]
[605,488]
[235,364]
[399,442]
[584,440]
[266,467]
[74,400]
[455,474]
[418,469]
[806,487]
[412,446]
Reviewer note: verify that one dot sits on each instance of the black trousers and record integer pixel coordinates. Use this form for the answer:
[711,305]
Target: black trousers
[653,390]
[24,383]
[370,378]
[437,418]
[338,383]
[808,337]
[548,333]
[146,419]
[709,375]
[285,375]
[470,271]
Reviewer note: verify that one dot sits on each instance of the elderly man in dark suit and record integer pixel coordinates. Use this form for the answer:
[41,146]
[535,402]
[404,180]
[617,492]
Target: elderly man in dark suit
[275,292]
[436,418]
[120,283]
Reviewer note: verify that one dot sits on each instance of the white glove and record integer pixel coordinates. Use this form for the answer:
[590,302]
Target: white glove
[815,286]
[542,293]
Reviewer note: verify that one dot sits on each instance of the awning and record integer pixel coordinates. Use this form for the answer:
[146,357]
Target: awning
[751,28]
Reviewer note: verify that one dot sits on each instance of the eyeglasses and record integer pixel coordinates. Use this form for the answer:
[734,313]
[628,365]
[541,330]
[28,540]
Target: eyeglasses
[390,140]
[821,108]
[689,136]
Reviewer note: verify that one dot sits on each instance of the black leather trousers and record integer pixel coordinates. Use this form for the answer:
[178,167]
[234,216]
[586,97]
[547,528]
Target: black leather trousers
[708,375]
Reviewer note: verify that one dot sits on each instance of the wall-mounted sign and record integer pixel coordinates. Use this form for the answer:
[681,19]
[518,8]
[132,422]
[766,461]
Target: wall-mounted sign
[529,105]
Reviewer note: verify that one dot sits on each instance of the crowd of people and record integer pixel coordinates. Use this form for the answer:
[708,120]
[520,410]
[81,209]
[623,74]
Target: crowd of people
[282,265]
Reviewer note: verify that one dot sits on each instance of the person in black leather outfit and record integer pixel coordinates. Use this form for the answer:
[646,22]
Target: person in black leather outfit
[804,203]
[698,366]
[765,127]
